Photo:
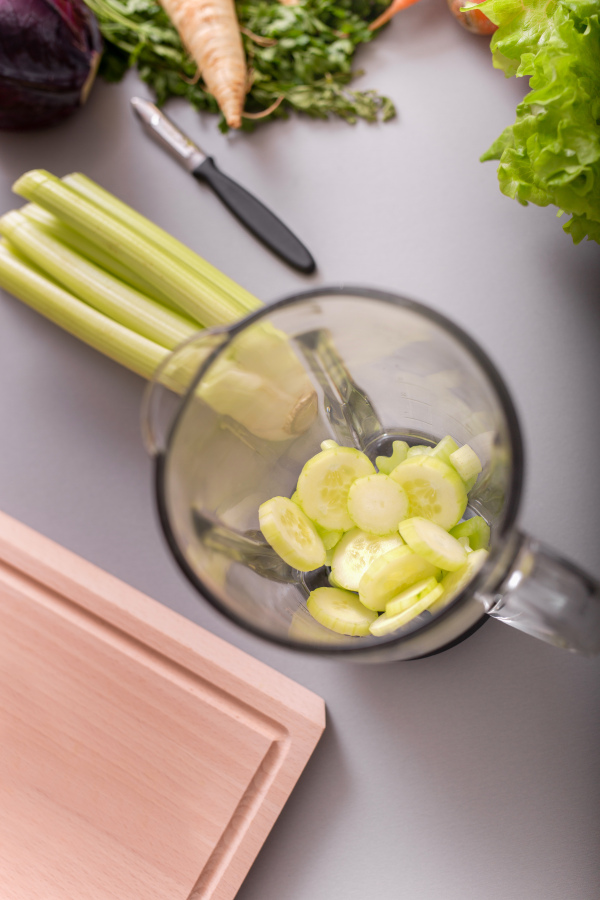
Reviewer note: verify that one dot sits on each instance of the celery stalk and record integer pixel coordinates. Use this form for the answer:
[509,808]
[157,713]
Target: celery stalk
[93,285]
[121,344]
[76,241]
[199,298]
[115,207]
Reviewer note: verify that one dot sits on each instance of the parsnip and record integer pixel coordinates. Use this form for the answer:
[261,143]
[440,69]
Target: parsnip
[210,31]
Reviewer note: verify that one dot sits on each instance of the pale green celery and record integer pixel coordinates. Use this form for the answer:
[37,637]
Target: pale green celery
[200,299]
[31,286]
[246,301]
[53,226]
[95,286]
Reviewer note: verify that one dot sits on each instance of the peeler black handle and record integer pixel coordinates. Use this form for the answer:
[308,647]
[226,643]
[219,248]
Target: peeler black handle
[256,217]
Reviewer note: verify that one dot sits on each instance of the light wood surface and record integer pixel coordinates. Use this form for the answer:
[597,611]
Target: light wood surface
[140,756]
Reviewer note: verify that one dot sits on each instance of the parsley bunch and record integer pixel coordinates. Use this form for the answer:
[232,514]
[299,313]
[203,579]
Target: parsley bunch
[299,57]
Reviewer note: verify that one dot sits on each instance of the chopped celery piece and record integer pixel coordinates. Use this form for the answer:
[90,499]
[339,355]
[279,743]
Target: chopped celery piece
[391,573]
[29,284]
[324,484]
[377,504]
[476,530]
[340,610]
[433,543]
[444,448]
[291,534]
[330,538]
[101,290]
[418,450]
[355,553]
[385,464]
[466,462]
[435,491]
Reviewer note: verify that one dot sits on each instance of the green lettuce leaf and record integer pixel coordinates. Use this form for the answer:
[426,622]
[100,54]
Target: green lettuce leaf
[551,155]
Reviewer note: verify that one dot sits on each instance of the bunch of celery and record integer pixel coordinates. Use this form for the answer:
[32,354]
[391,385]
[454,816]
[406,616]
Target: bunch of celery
[112,278]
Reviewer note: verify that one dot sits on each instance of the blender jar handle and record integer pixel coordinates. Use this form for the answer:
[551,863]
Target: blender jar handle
[548,597]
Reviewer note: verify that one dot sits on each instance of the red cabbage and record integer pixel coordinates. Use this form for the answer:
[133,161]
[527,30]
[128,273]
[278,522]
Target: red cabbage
[49,53]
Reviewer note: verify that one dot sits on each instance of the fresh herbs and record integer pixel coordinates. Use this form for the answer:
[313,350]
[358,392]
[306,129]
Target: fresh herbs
[299,57]
[552,152]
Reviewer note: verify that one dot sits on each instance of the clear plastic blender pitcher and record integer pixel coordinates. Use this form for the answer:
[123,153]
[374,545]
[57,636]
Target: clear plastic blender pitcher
[234,414]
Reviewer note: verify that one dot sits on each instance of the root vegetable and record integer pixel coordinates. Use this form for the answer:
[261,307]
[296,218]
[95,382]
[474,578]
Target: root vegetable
[210,31]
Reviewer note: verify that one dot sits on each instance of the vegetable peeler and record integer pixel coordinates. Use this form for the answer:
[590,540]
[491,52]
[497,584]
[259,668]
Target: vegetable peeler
[251,212]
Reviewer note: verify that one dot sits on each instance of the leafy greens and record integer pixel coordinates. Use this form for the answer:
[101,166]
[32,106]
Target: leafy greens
[298,56]
[551,155]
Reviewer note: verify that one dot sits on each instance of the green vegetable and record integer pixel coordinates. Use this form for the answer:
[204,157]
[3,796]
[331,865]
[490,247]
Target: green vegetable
[372,570]
[26,282]
[324,483]
[291,534]
[92,285]
[340,610]
[551,155]
[300,56]
[355,553]
[433,543]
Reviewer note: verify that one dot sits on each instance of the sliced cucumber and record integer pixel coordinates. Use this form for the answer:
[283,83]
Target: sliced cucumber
[435,491]
[324,483]
[418,450]
[391,573]
[444,448]
[433,543]
[476,530]
[340,610]
[329,444]
[355,553]
[464,542]
[455,582]
[385,464]
[386,624]
[291,534]
[377,504]
[406,598]
[466,462]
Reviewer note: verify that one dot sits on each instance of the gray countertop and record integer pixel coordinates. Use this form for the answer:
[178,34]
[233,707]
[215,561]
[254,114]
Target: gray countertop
[472,774]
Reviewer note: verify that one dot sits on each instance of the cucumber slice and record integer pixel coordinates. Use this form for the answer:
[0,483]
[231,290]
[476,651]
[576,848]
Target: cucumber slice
[385,464]
[329,444]
[406,598]
[444,448]
[340,610]
[476,530]
[391,573]
[433,543]
[377,504]
[386,624]
[455,582]
[466,462]
[291,534]
[435,491]
[324,483]
[464,542]
[355,553]
[418,450]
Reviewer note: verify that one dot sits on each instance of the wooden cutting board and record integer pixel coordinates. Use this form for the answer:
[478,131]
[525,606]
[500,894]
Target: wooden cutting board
[141,758]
